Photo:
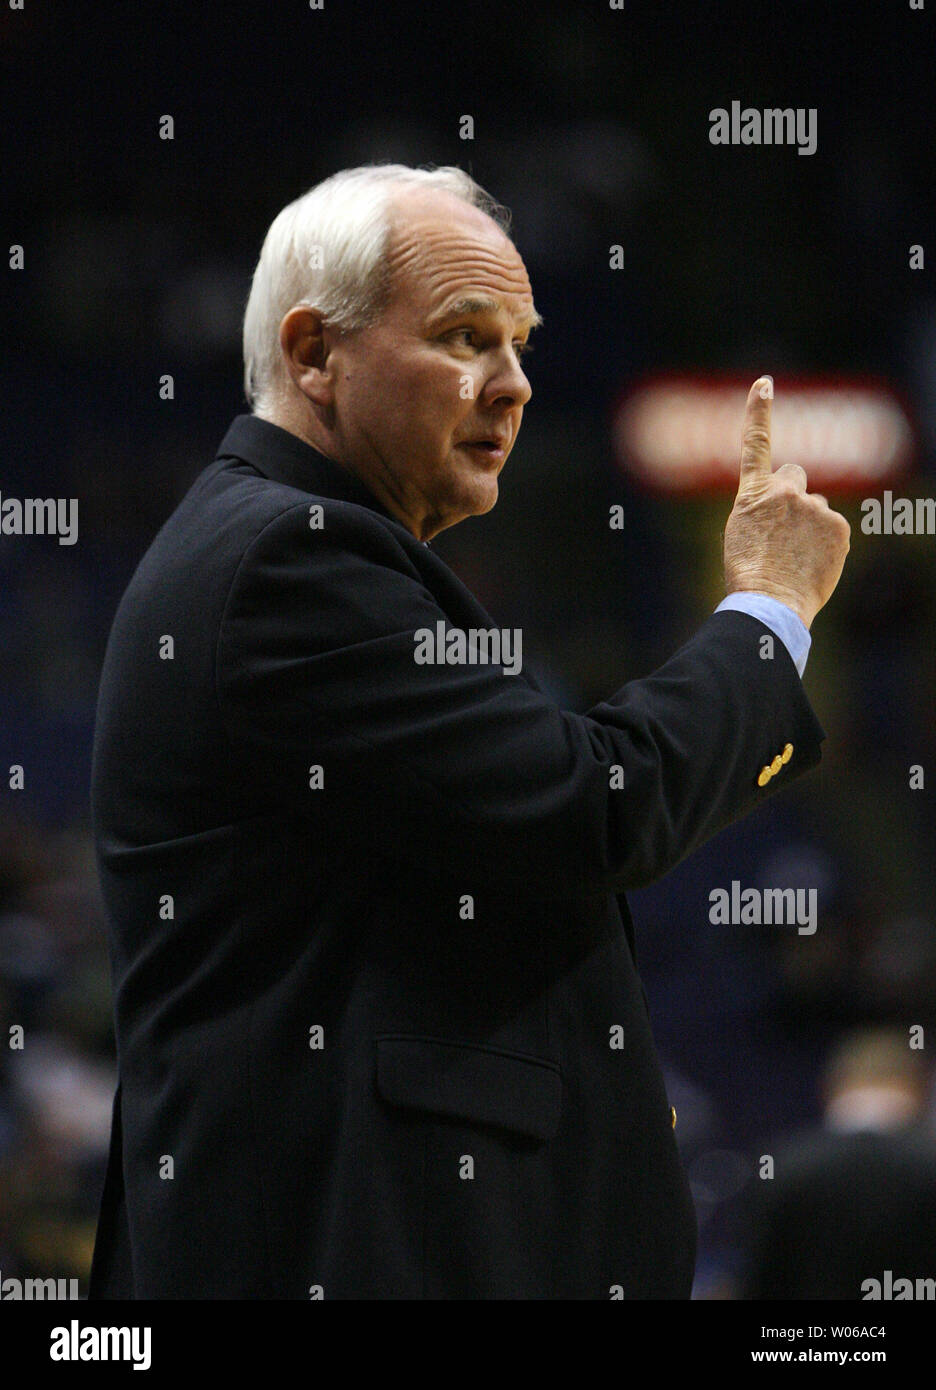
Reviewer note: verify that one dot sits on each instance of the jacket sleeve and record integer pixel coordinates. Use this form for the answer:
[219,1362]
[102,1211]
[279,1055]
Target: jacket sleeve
[467,768]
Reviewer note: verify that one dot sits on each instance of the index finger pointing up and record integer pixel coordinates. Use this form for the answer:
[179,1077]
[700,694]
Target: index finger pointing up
[755,434]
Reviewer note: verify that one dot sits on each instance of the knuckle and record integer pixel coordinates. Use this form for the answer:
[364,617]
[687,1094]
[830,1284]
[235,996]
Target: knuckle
[792,476]
[787,489]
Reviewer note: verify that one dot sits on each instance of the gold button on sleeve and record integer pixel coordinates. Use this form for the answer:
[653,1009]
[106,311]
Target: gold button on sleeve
[787,753]
[765,776]
[776,765]
[672,1111]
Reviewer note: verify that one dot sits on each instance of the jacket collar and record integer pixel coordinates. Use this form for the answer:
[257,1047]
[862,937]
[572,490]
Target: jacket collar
[285,458]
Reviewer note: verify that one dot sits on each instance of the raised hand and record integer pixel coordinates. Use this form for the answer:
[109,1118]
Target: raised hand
[780,539]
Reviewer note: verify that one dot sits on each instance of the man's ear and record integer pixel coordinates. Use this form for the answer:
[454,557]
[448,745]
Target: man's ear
[305,343]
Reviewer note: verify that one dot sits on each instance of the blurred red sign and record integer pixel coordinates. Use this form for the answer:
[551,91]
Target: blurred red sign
[680,434]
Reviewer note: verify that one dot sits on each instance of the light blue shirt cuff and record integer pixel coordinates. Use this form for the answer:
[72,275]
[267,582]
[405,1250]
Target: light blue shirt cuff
[782,621]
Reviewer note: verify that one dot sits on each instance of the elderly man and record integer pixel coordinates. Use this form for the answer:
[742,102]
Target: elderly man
[380,1031]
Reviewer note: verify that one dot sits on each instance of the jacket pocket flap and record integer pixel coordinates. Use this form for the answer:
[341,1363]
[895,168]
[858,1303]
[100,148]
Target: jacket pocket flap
[471,1081]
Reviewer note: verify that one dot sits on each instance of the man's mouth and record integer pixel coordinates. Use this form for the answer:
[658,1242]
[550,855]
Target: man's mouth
[493,450]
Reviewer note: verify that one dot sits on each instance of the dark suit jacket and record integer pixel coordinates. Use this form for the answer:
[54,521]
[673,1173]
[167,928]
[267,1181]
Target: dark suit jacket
[466,1128]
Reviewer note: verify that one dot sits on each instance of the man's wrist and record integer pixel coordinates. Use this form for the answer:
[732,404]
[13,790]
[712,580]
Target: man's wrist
[783,621]
[789,600]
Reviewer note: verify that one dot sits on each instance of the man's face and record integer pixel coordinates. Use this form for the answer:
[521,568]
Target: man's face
[428,401]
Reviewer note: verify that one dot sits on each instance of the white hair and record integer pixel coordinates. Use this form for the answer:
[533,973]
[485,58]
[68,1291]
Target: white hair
[326,250]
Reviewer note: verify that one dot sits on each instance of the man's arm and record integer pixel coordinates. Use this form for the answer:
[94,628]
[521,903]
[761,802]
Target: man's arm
[470,769]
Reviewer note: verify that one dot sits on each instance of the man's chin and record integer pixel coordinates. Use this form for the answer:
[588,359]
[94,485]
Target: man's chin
[472,501]
[483,497]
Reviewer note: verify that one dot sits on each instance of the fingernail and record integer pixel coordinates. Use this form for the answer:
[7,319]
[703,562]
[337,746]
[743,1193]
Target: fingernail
[766,389]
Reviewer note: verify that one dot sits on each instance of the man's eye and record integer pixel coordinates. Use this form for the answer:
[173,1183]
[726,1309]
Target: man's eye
[468,336]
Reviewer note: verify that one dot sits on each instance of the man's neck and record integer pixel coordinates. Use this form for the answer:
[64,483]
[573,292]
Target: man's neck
[311,433]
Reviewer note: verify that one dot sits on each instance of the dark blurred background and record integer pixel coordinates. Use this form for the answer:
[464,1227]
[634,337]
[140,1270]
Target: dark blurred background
[592,125]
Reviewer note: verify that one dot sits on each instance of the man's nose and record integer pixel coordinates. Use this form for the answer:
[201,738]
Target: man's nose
[508,382]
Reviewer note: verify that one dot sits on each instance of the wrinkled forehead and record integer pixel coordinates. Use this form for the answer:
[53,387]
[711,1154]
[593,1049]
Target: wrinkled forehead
[443,253]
